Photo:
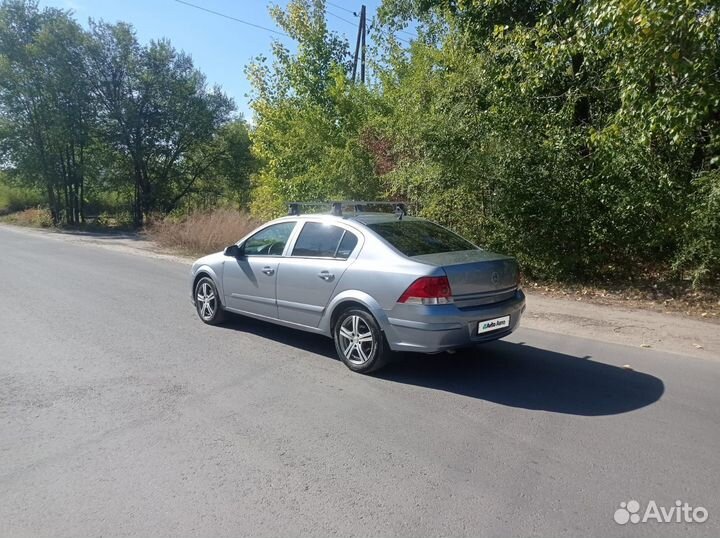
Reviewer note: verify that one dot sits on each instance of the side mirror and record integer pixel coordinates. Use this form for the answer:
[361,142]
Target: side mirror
[233,251]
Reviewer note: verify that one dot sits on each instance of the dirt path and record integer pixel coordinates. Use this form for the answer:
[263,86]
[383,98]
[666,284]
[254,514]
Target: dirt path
[675,333]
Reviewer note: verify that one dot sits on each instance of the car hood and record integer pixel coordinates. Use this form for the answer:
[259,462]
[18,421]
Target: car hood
[210,259]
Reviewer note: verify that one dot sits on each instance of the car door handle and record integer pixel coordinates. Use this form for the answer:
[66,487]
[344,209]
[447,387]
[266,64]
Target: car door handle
[327,276]
[268,270]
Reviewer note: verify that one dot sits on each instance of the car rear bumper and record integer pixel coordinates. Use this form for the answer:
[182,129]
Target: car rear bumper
[432,329]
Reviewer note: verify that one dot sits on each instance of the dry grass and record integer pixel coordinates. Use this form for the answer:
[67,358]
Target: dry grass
[35,217]
[202,232]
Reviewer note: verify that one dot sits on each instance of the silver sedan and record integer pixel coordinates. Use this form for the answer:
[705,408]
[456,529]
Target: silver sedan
[374,282]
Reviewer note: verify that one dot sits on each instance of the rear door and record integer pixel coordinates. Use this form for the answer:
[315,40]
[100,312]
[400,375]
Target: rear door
[308,276]
[249,282]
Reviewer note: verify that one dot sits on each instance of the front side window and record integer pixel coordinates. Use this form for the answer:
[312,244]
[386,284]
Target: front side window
[418,237]
[318,240]
[269,241]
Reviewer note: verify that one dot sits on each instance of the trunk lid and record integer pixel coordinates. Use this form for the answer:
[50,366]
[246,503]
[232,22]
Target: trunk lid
[476,277]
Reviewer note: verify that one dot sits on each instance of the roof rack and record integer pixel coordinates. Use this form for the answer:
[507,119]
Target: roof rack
[399,208]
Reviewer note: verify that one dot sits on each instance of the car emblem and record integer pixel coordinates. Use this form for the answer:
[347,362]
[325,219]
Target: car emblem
[494,277]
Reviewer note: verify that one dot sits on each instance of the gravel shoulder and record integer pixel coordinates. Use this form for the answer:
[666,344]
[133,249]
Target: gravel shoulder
[674,332]
[636,327]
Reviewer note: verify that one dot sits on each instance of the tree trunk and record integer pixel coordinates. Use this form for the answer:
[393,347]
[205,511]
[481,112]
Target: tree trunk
[66,195]
[52,200]
[81,180]
[137,203]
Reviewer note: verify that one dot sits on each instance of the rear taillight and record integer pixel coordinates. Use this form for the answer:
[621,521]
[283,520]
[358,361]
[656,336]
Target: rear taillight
[428,290]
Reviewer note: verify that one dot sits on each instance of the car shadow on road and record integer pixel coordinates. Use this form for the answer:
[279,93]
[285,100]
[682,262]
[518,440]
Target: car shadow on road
[523,376]
[512,374]
[314,343]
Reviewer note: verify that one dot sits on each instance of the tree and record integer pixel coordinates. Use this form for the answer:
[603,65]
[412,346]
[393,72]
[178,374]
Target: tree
[156,111]
[45,103]
[233,163]
[218,172]
[308,117]
[583,134]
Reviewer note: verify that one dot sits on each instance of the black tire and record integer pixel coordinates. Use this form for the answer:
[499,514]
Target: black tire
[210,310]
[359,325]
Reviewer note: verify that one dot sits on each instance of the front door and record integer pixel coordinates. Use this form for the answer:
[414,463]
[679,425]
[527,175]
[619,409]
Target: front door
[249,281]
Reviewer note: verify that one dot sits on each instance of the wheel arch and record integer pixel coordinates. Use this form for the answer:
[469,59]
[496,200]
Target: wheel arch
[206,271]
[350,299]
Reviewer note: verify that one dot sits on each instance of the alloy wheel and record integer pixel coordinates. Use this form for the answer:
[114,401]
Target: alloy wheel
[206,301]
[356,340]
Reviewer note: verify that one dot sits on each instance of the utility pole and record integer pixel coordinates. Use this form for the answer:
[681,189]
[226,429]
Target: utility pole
[362,60]
[360,48]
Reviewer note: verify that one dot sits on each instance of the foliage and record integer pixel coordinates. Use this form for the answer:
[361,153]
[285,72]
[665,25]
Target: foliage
[45,108]
[220,170]
[701,248]
[157,112]
[582,136]
[309,118]
[14,198]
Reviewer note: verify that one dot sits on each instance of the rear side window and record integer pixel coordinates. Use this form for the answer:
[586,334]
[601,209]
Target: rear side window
[319,240]
[347,245]
[418,237]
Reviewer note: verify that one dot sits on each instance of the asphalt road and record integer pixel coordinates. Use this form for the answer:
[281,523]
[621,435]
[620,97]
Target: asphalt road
[121,414]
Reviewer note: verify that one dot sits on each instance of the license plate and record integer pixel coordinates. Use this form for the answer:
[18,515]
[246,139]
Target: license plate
[493,324]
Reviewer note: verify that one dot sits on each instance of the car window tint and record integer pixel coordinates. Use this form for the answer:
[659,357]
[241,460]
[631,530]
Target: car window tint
[318,240]
[347,245]
[418,237]
[269,241]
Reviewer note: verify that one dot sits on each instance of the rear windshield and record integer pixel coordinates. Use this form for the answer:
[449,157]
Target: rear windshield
[418,237]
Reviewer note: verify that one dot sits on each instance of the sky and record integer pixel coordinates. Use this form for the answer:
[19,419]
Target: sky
[220,47]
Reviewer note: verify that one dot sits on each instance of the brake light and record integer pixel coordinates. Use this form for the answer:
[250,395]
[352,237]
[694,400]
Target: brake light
[428,290]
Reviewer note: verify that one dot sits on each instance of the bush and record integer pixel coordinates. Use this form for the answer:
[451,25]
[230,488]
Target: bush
[122,220]
[202,232]
[113,204]
[700,254]
[14,199]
